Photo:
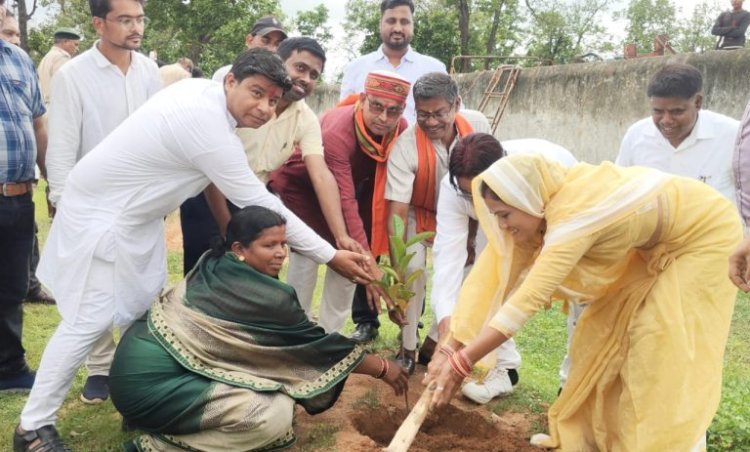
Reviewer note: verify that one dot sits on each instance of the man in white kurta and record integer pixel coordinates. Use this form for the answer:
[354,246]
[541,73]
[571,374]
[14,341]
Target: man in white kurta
[105,258]
[449,256]
[90,96]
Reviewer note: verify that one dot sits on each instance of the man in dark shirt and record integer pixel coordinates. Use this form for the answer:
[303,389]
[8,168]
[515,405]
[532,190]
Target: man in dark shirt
[731,27]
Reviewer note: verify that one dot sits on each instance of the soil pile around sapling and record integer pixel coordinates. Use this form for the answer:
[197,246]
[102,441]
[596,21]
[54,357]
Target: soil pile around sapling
[368,414]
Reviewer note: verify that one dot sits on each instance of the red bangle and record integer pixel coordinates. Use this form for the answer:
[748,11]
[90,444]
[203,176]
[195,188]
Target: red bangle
[460,364]
[461,355]
[384,368]
[447,350]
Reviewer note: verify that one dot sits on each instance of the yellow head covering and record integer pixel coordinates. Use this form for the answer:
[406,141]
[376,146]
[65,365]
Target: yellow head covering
[574,202]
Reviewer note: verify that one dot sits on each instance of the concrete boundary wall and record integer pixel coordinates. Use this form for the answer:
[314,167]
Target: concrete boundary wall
[587,107]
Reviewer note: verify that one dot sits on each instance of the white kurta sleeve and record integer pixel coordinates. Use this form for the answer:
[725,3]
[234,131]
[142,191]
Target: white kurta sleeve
[228,170]
[625,156]
[64,129]
[449,250]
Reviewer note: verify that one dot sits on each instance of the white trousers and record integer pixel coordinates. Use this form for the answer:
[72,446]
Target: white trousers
[336,302]
[100,357]
[414,310]
[69,345]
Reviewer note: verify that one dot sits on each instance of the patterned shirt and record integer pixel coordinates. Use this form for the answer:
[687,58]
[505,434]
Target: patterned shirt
[21,102]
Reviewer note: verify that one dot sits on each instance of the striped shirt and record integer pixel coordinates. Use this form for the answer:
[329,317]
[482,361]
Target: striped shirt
[20,103]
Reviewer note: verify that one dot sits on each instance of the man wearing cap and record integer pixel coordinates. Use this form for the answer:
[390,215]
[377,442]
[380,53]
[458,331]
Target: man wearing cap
[357,139]
[394,54]
[266,33]
[23,140]
[66,45]
[90,96]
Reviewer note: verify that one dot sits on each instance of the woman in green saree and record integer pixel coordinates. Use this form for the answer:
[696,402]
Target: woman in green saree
[221,359]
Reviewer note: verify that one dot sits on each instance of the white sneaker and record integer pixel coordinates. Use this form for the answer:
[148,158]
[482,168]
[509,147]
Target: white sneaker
[497,383]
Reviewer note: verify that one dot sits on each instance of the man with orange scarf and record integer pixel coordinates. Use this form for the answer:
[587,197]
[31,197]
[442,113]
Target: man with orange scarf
[357,138]
[418,162]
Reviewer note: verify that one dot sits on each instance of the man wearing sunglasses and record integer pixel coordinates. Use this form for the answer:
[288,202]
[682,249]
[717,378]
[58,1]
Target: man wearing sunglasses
[357,139]
[89,97]
[415,167]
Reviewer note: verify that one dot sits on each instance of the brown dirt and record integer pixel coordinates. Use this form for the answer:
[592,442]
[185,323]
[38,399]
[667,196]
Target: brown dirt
[368,414]
[173,231]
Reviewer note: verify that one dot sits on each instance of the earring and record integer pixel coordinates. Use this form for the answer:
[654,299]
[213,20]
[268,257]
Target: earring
[240,257]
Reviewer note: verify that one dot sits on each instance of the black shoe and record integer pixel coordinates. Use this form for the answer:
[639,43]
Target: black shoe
[407,361]
[49,440]
[40,296]
[365,332]
[20,383]
[96,389]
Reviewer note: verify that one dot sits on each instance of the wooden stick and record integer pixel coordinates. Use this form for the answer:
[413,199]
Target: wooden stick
[410,427]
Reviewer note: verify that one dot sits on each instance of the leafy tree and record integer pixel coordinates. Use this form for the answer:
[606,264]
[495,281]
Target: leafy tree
[211,33]
[312,23]
[562,30]
[362,25]
[648,18]
[694,32]
[504,33]
[24,14]
[63,13]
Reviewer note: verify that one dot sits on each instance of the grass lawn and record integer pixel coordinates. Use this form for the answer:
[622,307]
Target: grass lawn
[542,344]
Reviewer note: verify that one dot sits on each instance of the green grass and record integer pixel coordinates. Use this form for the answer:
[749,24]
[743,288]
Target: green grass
[542,345]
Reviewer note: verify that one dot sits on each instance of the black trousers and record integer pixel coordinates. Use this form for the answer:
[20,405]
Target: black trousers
[16,242]
[198,229]
[35,287]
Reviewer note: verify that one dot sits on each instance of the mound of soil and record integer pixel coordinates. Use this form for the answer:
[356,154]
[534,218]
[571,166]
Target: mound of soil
[368,414]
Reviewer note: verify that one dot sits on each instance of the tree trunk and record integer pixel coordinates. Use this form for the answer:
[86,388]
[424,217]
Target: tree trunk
[23,21]
[492,38]
[463,28]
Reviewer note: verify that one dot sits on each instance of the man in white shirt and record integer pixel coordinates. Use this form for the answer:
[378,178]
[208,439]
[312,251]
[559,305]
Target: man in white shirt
[457,243]
[295,126]
[267,33]
[679,137]
[66,45]
[394,54]
[90,96]
[177,143]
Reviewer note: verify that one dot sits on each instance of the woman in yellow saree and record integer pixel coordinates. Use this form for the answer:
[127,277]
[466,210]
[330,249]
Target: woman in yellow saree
[647,252]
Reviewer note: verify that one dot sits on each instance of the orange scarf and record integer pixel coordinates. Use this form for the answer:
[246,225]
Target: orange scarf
[378,152]
[424,194]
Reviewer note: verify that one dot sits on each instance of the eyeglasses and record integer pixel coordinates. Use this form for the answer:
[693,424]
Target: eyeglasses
[376,108]
[128,22]
[440,115]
